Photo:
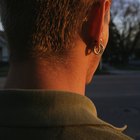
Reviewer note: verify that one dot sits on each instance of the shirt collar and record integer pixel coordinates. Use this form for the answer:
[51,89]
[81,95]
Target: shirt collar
[35,108]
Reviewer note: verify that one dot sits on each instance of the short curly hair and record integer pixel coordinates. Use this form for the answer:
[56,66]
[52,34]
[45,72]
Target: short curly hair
[42,27]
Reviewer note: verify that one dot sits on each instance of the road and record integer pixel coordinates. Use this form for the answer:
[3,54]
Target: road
[114,85]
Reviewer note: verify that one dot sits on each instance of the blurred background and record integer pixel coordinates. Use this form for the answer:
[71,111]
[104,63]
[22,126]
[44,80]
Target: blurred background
[115,88]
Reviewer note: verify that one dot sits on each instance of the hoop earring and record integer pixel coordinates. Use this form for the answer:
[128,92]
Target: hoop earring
[98,50]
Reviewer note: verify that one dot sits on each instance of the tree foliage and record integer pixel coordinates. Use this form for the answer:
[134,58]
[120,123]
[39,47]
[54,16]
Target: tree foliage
[124,31]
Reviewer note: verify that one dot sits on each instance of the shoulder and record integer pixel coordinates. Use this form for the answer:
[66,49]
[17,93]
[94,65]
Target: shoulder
[93,133]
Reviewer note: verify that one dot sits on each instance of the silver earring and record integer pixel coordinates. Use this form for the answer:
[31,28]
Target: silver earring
[98,50]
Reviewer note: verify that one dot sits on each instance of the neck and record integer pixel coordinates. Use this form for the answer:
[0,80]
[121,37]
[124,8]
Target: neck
[41,75]
[67,75]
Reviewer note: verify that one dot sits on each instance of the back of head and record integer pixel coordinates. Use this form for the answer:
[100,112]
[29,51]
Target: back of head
[41,28]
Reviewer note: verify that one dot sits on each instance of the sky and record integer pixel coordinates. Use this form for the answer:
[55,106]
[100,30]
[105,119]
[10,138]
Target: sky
[0,26]
[119,9]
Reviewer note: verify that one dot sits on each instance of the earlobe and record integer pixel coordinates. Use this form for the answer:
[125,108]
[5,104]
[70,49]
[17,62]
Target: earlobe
[96,49]
[99,50]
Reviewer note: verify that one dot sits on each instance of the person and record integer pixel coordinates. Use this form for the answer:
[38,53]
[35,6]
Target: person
[55,47]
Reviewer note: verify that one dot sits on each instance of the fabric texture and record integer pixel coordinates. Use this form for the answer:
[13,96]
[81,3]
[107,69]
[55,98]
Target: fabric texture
[52,115]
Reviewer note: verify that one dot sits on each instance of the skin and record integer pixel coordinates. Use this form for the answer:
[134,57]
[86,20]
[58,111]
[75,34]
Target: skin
[73,73]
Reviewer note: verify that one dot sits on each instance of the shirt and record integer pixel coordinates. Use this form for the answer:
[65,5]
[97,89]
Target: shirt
[52,115]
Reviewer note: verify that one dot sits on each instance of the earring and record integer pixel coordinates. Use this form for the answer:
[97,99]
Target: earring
[98,50]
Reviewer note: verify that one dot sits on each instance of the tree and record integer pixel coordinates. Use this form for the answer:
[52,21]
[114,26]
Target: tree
[112,52]
[124,30]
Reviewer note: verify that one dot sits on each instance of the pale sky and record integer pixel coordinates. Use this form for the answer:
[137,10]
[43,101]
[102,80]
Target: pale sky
[0,26]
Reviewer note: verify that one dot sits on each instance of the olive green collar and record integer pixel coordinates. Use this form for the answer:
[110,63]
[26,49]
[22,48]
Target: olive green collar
[38,108]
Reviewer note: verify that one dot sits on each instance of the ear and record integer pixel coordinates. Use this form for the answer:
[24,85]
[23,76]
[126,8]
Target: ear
[97,23]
